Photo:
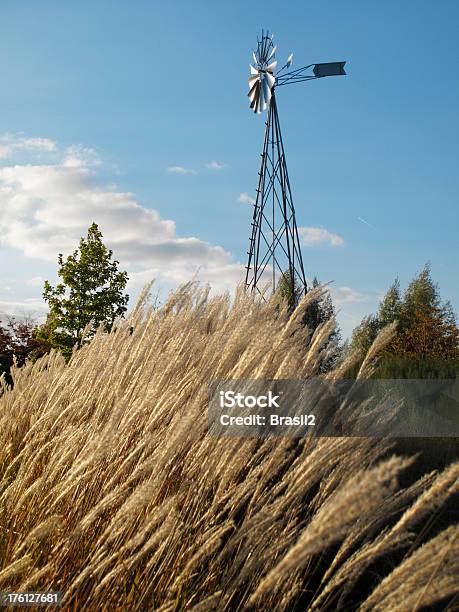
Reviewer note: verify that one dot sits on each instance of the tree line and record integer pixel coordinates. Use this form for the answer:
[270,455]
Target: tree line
[91,293]
[426,344]
[426,341]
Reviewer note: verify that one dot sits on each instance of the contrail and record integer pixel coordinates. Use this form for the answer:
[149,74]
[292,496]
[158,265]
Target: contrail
[366,222]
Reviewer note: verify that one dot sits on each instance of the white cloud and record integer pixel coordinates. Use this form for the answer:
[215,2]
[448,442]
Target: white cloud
[215,165]
[5,151]
[180,170]
[36,144]
[11,143]
[33,307]
[220,277]
[313,236]
[245,198]
[46,208]
[347,295]
[78,156]
[35,281]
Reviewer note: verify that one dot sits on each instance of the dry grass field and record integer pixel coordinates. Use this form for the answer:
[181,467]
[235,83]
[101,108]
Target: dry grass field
[112,492]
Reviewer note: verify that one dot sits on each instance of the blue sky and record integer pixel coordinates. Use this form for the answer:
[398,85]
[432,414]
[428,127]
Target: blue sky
[99,99]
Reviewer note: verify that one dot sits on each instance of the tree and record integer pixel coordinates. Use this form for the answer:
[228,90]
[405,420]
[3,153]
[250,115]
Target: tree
[391,305]
[6,352]
[289,290]
[91,292]
[389,310]
[365,333]
[428,327]
[317,313]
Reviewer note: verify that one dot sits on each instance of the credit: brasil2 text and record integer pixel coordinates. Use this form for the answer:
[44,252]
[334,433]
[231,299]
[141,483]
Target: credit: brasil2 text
[308,420]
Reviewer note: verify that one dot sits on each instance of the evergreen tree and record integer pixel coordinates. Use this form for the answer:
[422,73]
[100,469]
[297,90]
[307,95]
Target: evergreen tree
[92,290]
[317,313]
[391,305]
[422,292]
[364,334]
[289,290]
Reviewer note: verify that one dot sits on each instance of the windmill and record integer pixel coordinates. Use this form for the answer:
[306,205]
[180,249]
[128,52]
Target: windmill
[274,248]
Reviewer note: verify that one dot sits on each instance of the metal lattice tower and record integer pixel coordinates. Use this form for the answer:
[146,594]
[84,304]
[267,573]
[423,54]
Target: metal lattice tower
[274,247]
[274,244]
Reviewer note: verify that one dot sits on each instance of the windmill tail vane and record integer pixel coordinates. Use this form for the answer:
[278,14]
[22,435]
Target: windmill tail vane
[274,246]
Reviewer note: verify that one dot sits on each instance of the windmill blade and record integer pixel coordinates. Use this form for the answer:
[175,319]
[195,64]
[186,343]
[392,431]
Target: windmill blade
[271,79]
[265,47]
[255,94]
[260,102]
[273,51]
[255,61]
[253,90]
[254,100]
[289,61]
[258,105]
[272,67]
[269,91]
[253,70]
[266,91]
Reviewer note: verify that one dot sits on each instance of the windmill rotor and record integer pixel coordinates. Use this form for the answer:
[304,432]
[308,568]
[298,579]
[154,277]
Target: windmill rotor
[262,80]
[263,77]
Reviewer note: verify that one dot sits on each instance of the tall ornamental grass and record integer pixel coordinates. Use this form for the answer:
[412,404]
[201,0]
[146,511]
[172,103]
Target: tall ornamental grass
[112,492]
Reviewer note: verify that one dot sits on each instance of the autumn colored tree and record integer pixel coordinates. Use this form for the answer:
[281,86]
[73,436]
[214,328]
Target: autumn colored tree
[19,342]
[6,353]
[428,327]
[91,294]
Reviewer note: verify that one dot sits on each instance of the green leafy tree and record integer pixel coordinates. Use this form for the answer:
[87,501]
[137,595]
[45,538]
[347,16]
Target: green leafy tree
[91,291]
